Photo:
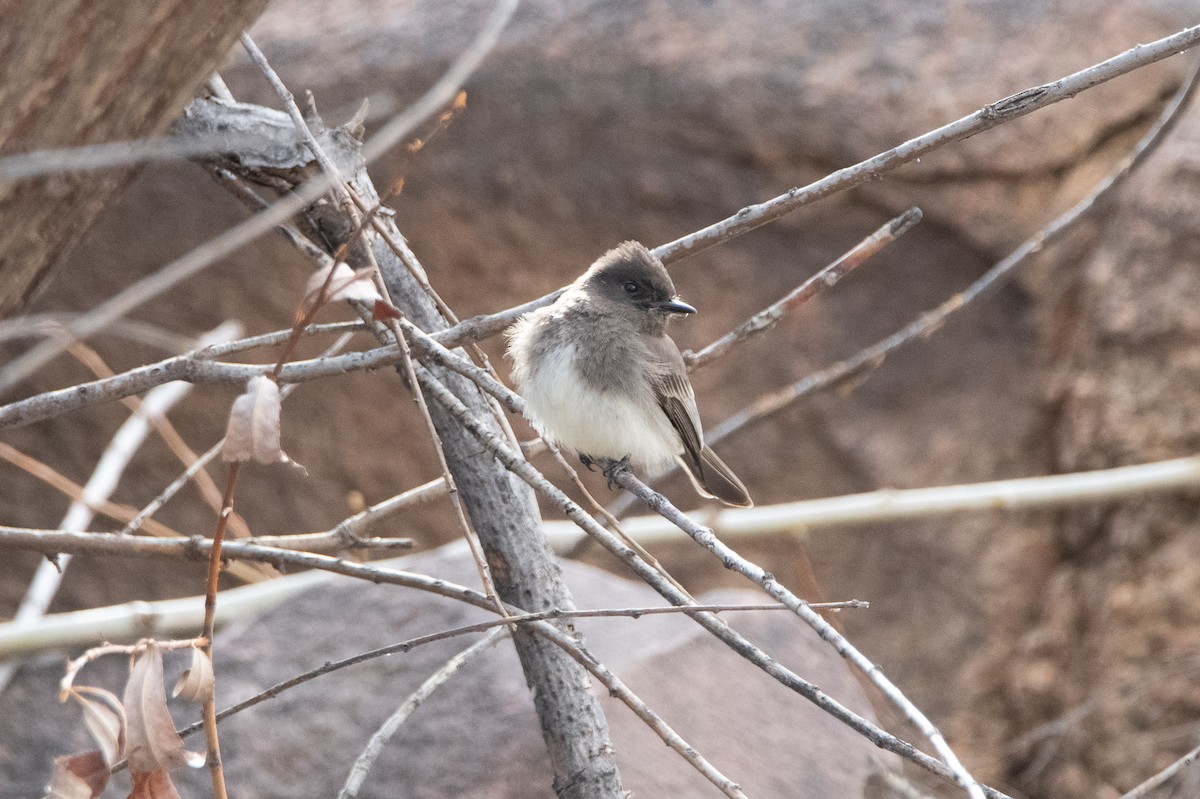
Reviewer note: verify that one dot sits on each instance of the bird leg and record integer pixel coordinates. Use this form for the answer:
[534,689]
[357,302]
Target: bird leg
[587,461]
[612,469]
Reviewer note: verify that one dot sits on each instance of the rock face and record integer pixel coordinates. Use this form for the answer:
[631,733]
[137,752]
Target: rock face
[594,123]
[478,736]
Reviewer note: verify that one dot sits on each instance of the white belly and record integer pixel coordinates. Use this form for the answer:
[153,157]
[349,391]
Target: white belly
[609,425]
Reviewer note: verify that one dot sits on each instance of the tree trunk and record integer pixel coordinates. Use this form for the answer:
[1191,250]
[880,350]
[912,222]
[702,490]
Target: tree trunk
[80,72]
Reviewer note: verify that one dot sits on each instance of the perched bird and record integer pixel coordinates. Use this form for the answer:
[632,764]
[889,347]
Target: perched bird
[602,378]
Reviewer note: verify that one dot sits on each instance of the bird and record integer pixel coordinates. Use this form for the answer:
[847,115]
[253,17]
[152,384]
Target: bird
[600,376]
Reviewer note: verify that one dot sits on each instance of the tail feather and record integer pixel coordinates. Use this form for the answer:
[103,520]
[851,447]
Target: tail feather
[714,480]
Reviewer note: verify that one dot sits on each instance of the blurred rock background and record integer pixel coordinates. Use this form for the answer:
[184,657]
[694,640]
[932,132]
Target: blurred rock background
[1057,650]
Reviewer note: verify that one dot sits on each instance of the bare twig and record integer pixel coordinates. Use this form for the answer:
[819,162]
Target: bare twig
[206,254]
[366,759]
[1163,777]
[273,338]
[334,175]
[209,708]
[353,527]
[76,664]
[50,542]
[874,355]
[767,318]
[40,325]
[986,118]
[483,626]
[164,496]
[732,560]
[123,153]
[890,504]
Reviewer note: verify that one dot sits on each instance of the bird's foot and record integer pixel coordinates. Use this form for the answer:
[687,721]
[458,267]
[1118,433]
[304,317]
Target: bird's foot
[587,461]
[614,468]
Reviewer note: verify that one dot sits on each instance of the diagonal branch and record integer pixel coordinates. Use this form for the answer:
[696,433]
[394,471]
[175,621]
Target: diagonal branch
[767,318]
[732,560]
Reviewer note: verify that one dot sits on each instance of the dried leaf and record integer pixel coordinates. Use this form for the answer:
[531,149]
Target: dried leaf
[196,683]
[384,310]
[253,431]
[152,743]
[346,284]
[153,785]
[104,718]
[82,776]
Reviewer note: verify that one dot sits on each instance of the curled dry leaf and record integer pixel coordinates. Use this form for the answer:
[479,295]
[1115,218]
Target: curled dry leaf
[197,682]
[152,743]
[82,776]
[253,431]
[346,284]
[104,718]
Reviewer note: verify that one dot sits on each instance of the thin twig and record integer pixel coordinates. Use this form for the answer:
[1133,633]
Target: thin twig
[334,175]
[1012,107]
[1163,777]
[51,542]
[891,504]
[273,338]
[366,759]
[767,318]
[872,356]
[483,626]
[353,527]
[209,708]
[94,653]
[162,425]
[732,560]
[124,153]
[144,515]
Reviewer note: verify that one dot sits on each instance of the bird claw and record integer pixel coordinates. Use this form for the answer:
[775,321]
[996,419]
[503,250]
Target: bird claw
[587,461]
[614,468]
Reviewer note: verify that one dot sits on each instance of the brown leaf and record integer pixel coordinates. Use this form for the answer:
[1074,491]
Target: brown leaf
[384,310]
[346,284]
[153,785]
[196,683]
[104,718]
[82,776]
[253,430]
[152,743]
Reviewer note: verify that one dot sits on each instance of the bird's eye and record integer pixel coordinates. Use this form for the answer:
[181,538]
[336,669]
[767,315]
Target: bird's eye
[631,287]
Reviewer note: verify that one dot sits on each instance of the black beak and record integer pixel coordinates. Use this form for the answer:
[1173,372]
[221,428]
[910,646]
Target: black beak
[674,306]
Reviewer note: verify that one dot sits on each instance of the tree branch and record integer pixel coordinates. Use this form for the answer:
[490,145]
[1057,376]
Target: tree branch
[767,318]
[732,560]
